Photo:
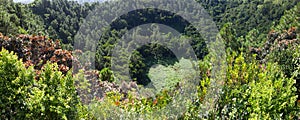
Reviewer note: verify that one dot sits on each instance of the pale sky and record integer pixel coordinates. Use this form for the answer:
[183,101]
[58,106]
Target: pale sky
[24,1]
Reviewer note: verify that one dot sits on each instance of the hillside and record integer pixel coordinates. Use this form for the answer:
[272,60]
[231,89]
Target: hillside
[42,76]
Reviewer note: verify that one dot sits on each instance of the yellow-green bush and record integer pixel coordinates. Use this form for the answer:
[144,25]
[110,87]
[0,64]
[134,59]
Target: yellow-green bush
[256,91]
[16,84]
[52,96]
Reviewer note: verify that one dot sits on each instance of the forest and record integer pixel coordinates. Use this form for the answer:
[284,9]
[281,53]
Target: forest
[46,70]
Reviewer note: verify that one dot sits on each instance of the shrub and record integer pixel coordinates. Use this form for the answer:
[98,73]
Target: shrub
[15,86]
[53,96]
[256,91]
[57,95]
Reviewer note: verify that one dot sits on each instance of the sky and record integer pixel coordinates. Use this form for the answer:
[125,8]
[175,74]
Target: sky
[80,1]
[24,1]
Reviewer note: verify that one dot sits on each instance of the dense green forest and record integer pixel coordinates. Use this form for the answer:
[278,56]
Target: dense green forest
[42,77]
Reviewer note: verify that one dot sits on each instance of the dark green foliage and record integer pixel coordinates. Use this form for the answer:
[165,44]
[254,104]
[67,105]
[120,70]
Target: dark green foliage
[106,75]
[151,54]
[62,18]
[64,21]
[247,14]
[290,19]
[257,12]
[16,18]
[229,36]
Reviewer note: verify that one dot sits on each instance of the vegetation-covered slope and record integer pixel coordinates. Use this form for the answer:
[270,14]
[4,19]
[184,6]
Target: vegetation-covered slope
[18,18]
[40,79]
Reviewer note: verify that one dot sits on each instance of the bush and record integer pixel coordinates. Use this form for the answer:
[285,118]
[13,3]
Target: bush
[56,98]
[15,86]
[53,96]
[256,91]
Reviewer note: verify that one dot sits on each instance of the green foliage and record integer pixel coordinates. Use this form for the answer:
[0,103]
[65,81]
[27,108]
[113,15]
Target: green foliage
[252,89]
[130,108]
[284,58]
[82,86]
[166,77]
[16,84]
[106,75]
[296,68]
[256,91]
[53,96]
[223,13]
[229,36]
[59,98]
[247,14]
[252,39]
[16,18]
[289,19]
[61,17]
